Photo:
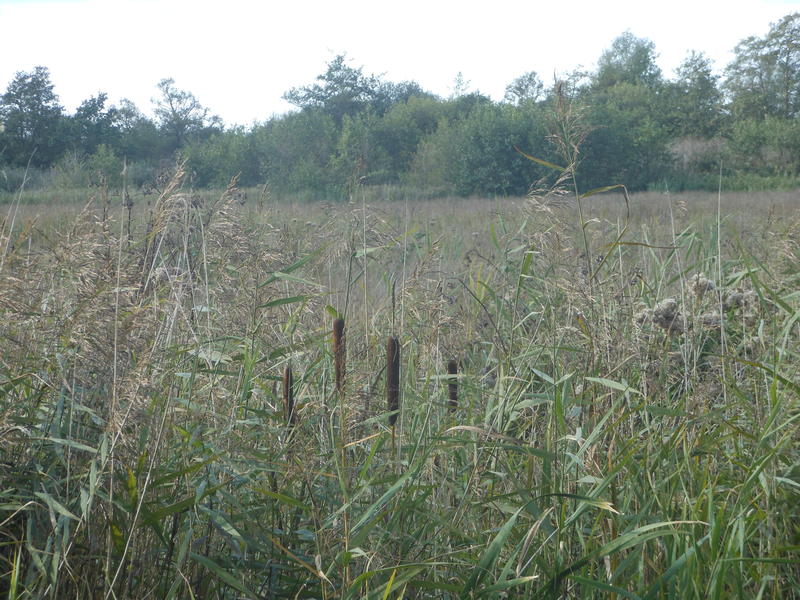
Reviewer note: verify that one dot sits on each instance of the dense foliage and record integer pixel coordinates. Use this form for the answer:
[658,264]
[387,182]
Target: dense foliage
[642,128]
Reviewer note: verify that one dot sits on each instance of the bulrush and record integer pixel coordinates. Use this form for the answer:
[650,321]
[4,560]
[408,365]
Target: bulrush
[339,353]
[288,395]
[393,378]
[452,384]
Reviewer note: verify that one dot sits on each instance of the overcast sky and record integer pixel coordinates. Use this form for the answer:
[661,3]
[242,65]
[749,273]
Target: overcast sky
[238,57]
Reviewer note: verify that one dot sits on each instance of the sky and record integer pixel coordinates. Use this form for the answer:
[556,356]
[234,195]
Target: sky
[238,57]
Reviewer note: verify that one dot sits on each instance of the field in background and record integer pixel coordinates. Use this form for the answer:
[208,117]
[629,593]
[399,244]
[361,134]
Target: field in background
[626,423]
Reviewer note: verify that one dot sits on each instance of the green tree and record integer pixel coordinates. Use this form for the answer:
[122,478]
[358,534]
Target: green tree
[32,119]
[295,151]
[696,100]
[477,154]
[399,133]
[139,138]
[525,88]
[627,142]
[104,163]
[215,160]
[764,76]
[93,124]
[180,115]
[342,90]
[630,60]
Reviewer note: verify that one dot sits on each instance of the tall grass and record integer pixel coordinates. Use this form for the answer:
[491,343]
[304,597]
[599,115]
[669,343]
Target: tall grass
[598,450]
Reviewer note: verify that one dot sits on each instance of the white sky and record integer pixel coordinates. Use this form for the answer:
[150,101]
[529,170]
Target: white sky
[238,57]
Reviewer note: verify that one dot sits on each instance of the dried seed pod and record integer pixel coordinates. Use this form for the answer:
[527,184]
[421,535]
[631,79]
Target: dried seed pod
[452,384]
[393,378]
[339,353]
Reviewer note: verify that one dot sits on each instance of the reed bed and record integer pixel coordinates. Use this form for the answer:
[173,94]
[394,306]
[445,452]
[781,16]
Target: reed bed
[622,420]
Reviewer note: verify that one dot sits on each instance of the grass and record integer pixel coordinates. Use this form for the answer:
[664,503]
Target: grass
[596,450]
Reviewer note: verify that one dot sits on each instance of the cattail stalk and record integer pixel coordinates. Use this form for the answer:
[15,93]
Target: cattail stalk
[339,353]
[288,396]
[452,385]
[393,379]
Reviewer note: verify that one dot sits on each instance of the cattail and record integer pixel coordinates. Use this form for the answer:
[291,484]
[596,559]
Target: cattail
[452,384]
[288,395]
[393,378]
[339,353]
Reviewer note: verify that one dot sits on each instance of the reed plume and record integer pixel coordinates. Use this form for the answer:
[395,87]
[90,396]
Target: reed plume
[288,395]
[339,353]
[452,384]
[393,379]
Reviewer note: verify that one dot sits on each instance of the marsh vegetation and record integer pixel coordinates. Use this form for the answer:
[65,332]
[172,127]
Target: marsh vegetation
[624,421]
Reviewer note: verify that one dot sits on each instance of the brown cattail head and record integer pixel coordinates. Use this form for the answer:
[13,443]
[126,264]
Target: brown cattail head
[288,395]
[339,353]
[393,378]
[452,384]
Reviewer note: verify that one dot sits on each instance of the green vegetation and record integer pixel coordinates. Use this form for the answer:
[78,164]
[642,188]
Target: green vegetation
[643,128]
[177,422]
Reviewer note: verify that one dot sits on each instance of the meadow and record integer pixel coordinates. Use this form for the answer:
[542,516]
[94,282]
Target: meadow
[624,420]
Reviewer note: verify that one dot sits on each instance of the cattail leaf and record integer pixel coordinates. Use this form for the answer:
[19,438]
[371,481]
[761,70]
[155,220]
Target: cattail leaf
[540,161]
[223,574]
[602,504]
[71,443]
[676,566]
[175,475]
[627,540]
[613,245]
[614,385]
[389,585]
[282,301]
[787,382]
[490,556]
[507,584]
[376,506]
[600,190]
[55,505]
[363,524]
[177,507]
[295,279]
[332,311]
[604,587]
[284,498]
[367,251]
[132,487]
[293,267]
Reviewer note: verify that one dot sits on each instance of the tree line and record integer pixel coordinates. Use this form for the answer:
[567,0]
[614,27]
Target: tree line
[635,126]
